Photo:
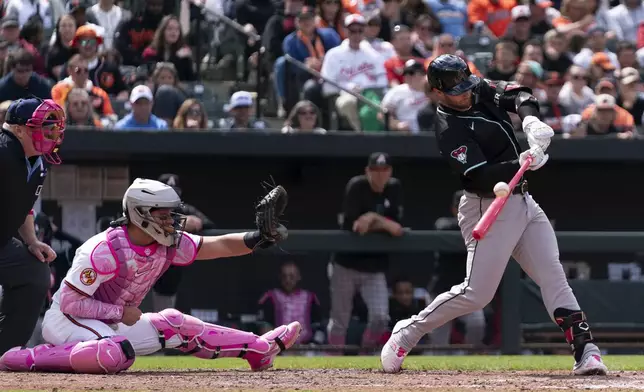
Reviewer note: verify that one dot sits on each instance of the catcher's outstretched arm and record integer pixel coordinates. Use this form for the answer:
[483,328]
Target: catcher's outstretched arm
[269,230]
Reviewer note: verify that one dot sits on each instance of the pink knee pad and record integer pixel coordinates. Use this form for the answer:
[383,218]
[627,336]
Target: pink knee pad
[204,340]
[104,356]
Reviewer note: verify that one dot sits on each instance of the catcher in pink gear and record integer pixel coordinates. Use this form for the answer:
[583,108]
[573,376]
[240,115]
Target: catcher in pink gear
[94,324]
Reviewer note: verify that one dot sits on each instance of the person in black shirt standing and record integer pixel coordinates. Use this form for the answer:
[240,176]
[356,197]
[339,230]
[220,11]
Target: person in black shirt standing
[30,136]
[372,203]
[475,136]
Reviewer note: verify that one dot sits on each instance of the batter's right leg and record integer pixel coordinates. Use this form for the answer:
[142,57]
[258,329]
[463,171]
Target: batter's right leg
[486,262]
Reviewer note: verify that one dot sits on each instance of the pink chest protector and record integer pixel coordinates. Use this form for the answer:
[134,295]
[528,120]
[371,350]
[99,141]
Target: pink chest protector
[136,268]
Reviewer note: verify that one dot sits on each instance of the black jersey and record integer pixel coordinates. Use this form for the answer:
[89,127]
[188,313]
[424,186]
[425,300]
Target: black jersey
[480,144]
[22,181]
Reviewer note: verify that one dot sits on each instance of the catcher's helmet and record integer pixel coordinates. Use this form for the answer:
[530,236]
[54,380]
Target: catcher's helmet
[451,75]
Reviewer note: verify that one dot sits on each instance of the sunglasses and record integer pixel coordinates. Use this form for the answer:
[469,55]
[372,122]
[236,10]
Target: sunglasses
[356,31]
[578,77]
[194,112]
[81,70]
[88,42]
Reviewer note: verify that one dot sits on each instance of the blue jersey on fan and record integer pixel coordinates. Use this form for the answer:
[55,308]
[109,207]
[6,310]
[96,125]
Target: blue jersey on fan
[452,14]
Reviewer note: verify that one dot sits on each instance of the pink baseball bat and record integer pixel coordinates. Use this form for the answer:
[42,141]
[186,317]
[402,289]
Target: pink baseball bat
[490,215]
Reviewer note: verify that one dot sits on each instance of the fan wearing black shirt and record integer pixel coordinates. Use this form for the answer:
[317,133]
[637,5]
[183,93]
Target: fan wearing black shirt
[372,203]
[506,58]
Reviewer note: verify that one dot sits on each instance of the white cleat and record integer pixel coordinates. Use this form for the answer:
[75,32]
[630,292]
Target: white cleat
[392,356]
[591,363]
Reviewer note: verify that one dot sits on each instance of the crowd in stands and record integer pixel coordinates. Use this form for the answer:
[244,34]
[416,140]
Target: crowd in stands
[582,58]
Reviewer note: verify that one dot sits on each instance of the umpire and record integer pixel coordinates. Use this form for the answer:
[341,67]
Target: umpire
[30,135]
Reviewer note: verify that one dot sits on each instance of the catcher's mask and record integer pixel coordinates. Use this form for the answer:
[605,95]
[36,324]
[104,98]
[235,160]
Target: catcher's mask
[45,120]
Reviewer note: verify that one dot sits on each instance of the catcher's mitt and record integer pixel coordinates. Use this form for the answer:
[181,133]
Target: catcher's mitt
[267,214]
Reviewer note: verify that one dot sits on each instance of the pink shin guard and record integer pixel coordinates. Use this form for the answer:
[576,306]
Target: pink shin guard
[104,356]
[204,340]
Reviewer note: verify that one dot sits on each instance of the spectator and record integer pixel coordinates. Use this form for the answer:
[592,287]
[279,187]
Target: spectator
[445,44]
[330,14]
[596,45]
[606,86]
[304,118]
[449,271]
[626,55]
[168,45]
[191,115]
[600,67]
[391,15]
[452,16]
[23,10]
[625,18]
[77,9]
[77,68]
[61,51]
[552,112]
[604,118]
[519,31]
[533,51]
[630,98]
[135,34]
[278,27]
[577,16]
[4,51]
[403,304]
[372,36]
[542,15]
[102,73]
[168,95]
[141,117]
[359,68]
[254,13]
[504,63]
[4,106]
[404,51]
[22,81]
[575,95]
[239,107]
[33,33]
[529,74]
[289,303]
[11,33]
[372,203]
[491,16]
[364,7]
[309,45]
[108,15]
[79,110]
[405,101]
[412,9]
[423,36]
[555,53]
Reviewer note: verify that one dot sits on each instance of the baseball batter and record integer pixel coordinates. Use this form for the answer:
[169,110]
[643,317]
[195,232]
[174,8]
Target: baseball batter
[476,136]
[94,324]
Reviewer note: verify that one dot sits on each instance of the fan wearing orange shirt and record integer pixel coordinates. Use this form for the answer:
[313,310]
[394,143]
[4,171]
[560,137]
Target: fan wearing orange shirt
[493,14]
[445,44]
[395,66]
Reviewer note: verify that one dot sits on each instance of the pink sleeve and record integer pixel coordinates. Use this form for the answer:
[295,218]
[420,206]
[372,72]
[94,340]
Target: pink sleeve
[76,303]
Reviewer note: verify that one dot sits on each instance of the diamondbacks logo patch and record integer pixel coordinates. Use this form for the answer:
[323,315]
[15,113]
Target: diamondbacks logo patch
[460,154]
[88,276]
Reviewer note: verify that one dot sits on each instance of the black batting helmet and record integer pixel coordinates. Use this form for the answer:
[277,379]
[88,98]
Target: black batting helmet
[451,75]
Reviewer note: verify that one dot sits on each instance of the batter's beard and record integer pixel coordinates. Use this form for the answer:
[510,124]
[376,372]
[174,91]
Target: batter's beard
[461,106]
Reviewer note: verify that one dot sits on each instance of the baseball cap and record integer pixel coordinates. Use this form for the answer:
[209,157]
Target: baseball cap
[629,75]
[412,66]
[521,11]
[141,91]
[596,29]
[604,83]
[604,101]
[172,180]
[86,31]
[379,159]
[306,13]
[9,21]
[535,68]
[354,19]
[240,99]
[21,111]
[541,3]
[76,5]
[601,59]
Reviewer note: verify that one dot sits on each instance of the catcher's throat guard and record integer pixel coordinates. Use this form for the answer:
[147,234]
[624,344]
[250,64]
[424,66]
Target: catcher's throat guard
[47,128]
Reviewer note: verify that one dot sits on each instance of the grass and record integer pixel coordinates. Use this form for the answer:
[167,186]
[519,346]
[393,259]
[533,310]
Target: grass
[462,363]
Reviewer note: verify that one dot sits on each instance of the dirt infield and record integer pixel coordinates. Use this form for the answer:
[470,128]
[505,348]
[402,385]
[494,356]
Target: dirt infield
[318,380]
